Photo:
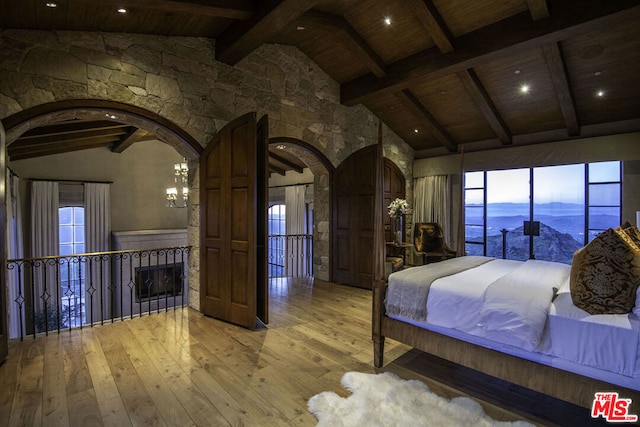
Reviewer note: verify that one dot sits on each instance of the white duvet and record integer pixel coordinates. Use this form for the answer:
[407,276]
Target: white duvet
[506,301]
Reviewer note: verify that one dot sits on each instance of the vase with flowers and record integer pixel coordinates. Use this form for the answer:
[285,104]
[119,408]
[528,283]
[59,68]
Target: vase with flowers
[397,210]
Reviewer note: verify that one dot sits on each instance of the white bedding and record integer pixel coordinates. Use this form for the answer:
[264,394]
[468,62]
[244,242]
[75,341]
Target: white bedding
[605,341]
[559,334]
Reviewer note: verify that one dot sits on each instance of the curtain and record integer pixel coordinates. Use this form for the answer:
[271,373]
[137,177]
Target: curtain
[97,220]
[15,280]
[431,201]
[44,242]
[296,251]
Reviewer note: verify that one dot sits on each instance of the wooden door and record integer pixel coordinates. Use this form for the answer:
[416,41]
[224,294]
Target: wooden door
[353,229]
[4,318]
[353,210]
[233,223]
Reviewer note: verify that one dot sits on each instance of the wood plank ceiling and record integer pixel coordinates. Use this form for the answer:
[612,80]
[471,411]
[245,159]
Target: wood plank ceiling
[440,73]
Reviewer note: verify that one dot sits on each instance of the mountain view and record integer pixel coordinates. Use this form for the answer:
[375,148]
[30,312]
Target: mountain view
[561,230]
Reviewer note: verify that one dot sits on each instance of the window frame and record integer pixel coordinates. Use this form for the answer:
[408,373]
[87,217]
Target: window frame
[588,188]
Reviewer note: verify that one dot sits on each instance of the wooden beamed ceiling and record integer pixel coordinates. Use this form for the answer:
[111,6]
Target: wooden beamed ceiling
[442,74]
[75,135]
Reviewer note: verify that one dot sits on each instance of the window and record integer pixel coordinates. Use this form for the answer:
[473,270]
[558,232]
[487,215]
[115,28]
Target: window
[71,230]
[604,202]
[277,240]
[474,212]
[71,220]
[571,204]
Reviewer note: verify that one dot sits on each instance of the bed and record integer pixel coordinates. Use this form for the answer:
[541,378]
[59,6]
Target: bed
[572,356]
[514,320]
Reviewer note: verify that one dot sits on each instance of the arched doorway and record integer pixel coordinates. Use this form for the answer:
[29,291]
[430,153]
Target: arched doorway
[323,172]
[36,133]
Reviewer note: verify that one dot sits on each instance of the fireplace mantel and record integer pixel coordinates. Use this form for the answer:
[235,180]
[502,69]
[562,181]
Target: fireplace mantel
[149,239]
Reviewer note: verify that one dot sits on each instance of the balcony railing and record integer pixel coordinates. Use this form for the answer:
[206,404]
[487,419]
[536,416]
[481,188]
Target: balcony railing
[290,255]
[64,292]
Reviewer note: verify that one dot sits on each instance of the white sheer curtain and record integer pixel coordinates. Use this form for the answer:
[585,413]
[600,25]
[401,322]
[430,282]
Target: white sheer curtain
[97,225]
[431,201]
[44,240]
[15,250]
[295,255]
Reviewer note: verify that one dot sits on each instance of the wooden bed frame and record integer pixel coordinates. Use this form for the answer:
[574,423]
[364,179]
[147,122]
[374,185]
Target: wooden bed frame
[564,385]
[551,381]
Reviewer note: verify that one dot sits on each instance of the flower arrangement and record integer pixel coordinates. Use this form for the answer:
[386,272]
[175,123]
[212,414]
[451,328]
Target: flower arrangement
[398,207]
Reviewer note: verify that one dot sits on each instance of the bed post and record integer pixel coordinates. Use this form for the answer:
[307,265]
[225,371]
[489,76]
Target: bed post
[378,338]
[379,249]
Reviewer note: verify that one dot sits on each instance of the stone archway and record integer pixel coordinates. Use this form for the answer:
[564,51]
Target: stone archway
[323,172]
[41,115]
[164,130]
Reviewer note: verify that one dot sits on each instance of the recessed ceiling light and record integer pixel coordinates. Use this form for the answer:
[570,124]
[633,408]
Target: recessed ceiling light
[122,10]
[300,28]
[600,93]
[51,4]
[516,71]
[387,20]
[524,88]
[597,73]
[415,130]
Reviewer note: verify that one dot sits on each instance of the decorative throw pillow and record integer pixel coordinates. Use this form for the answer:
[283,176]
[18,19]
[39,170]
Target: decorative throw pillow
[605,274]
[633,232]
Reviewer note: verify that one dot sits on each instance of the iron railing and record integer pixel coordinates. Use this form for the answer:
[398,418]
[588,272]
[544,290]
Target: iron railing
[290,255]
[64,292]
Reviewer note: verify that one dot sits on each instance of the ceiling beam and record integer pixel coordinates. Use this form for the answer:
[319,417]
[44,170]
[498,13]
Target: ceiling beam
[555,62]
[431,20]
[539,9]
[128,140]
[231,9]
[413,104]
[285,162]
[488,109]
[21,153]
[84,135]
[243,37]
[71,126]
[350,37]
[275,169]
[499,40]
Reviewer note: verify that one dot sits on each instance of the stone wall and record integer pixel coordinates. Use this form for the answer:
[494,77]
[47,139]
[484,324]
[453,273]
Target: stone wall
[179,79]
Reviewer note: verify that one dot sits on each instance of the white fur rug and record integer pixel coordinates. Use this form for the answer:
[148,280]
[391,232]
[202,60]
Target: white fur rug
[387,400]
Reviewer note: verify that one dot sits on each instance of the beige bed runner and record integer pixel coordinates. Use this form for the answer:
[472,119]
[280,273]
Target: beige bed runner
[408,289]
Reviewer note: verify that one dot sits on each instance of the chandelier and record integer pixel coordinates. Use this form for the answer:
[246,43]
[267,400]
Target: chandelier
[180,190]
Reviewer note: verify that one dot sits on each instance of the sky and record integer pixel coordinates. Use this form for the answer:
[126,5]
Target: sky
[552,183]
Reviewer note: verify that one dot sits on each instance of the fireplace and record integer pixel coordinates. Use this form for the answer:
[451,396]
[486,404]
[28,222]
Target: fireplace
[159,281]
[154,280]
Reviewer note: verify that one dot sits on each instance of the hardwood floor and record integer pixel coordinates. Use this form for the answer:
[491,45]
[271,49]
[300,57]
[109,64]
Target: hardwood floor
[180,368]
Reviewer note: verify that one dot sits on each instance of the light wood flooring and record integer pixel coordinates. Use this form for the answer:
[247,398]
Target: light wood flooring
[180,368]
